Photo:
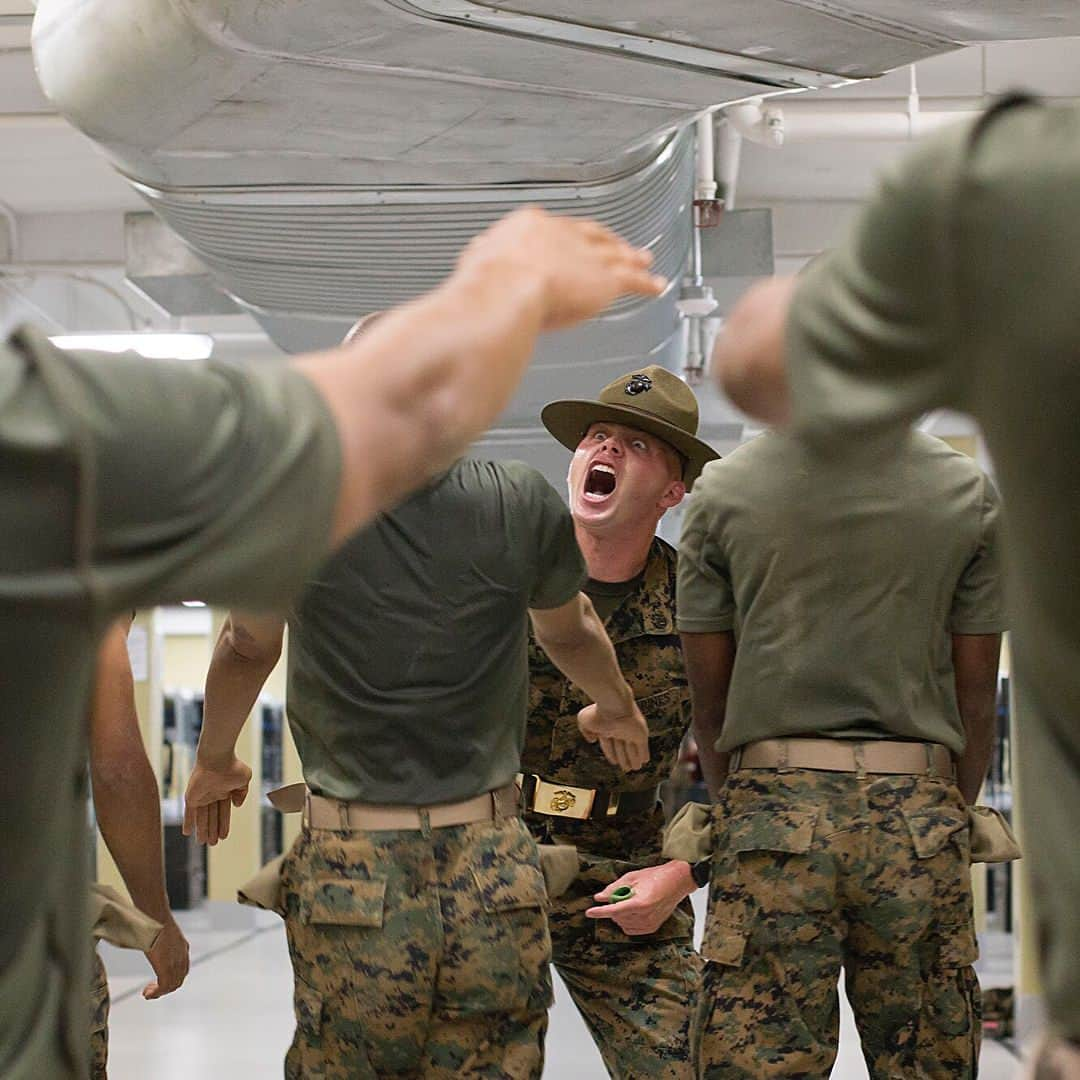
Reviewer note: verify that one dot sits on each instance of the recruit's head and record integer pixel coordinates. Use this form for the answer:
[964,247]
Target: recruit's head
[636,451]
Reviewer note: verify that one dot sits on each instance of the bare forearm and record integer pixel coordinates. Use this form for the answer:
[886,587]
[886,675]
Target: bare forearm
[128,809]
[714,763]
[588,660]
[233,684]
[446,366]
[974,763]
[975,663]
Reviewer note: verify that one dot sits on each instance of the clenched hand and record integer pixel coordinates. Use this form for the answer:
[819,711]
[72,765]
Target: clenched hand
[624,738]
[212,792]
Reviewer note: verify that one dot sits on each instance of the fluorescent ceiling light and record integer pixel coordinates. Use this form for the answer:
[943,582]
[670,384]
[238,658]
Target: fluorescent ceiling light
[193,603]
[149,345]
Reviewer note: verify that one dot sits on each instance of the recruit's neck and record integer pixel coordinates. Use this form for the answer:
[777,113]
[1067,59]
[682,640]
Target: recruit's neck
[615,557]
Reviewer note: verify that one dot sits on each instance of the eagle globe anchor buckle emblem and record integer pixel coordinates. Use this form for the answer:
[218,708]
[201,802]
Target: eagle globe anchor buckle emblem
[562,800]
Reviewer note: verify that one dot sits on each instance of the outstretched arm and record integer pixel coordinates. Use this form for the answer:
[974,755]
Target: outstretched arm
[414,390]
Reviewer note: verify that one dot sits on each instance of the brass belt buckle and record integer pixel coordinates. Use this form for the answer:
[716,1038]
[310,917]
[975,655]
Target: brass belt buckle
[562,800]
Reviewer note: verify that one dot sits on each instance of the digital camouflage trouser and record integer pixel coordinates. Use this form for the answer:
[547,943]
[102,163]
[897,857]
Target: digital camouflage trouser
[417,955]
[99,1019]
[636,994]
[814,870]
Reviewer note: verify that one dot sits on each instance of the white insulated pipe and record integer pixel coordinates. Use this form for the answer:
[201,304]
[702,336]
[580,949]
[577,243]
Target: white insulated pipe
[730,155]
[705,187]
[796,122]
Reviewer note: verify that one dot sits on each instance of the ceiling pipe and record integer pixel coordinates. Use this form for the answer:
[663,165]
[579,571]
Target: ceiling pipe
[696,300]
[730,156]
[772,126]
[706,158]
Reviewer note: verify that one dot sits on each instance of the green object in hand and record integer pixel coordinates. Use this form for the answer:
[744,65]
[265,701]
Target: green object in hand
[623,892]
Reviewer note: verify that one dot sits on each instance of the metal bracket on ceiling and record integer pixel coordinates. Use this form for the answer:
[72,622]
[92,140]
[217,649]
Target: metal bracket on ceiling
[636,46]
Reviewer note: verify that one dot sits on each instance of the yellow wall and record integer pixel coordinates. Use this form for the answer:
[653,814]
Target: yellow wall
[185,660]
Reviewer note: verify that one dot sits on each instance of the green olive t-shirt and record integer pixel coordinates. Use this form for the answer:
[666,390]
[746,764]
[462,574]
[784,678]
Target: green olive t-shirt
[844,579]
[123,482]
[407,650]
[960,286]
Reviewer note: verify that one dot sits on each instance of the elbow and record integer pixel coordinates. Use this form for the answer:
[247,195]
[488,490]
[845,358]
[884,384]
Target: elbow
[241,648]
[118,771]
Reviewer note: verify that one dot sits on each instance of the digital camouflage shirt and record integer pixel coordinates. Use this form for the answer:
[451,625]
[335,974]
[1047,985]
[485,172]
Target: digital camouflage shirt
[642,629]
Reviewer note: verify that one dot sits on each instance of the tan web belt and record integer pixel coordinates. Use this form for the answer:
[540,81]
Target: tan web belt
[847,755]
[323,813]
[566,801]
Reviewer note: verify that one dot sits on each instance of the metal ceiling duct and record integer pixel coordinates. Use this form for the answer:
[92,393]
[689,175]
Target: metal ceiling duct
[340,252]
[328,158]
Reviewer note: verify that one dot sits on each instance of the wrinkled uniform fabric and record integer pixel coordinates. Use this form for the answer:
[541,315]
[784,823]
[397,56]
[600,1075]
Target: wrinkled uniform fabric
[418,626]
[424,956]
[417,956]
[634,992]
[814,870]
[123,483]
[99,1020]
[957,288]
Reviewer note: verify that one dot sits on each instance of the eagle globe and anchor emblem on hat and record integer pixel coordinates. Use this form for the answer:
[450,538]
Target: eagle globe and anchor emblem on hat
[651,399]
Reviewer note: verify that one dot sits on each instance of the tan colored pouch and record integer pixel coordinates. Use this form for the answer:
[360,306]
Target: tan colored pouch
[264,889]
[288,799]
[992,839]
[120,923]
[689,835]
[560,866]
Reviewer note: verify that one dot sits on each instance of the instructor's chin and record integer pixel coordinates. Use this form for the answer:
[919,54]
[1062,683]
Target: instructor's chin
[588,513]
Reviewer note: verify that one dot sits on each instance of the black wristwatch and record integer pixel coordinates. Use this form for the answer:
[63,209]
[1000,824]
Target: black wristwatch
[701,871]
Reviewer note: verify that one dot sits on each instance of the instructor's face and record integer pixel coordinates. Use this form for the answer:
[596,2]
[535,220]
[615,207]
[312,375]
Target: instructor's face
[620,475]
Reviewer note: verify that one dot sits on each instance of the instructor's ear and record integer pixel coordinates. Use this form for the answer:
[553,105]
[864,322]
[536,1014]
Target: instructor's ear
[673,495]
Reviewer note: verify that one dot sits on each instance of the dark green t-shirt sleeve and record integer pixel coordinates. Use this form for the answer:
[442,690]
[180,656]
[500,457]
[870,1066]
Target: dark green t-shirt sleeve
[558,569]
[871,335]
[210,481]
[978,606]
[705,602]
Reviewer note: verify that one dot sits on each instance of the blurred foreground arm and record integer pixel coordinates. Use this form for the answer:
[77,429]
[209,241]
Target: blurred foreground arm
[128,806]
[749,361]
[413,391]
[576,642]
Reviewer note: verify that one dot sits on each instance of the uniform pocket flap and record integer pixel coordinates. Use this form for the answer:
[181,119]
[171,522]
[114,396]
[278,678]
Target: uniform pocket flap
[335,901]
[678,925]
[773,830]
[724,944]
[507,885]
[959,946]
[933,827]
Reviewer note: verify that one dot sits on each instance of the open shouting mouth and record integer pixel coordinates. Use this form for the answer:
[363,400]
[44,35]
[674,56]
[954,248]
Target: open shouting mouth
[600,482]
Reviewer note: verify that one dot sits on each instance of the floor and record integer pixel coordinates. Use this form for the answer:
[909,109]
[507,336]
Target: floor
[233,1017]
